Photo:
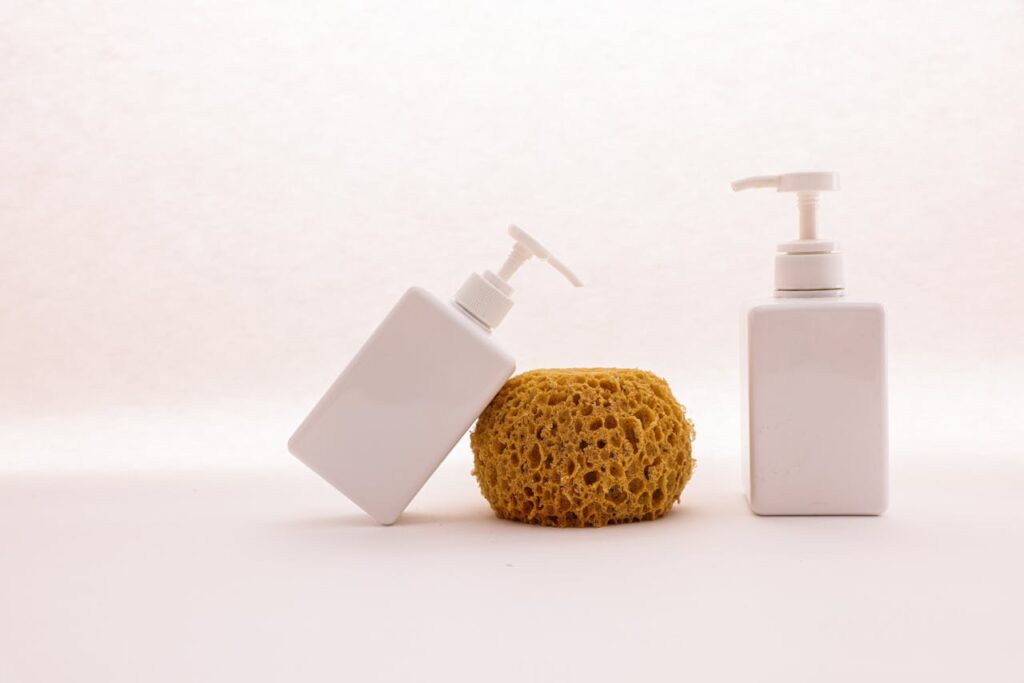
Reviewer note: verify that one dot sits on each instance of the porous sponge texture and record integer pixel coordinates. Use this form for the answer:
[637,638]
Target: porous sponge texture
[583,447]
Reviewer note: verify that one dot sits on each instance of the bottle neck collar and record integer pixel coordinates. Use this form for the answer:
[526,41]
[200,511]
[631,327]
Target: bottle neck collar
[809,293]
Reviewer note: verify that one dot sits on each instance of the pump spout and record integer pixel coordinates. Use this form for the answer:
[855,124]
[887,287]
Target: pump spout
[806,185]
[814,181]
[525,247]
[808,264]
[755,182]
[487,296]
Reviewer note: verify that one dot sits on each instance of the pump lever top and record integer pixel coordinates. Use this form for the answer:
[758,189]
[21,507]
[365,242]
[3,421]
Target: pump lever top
[486,296]
[806,185]
[816,181]
[807,264]
[525,247]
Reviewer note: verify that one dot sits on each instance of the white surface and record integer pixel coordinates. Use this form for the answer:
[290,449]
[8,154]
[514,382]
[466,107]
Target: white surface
[206,207]
[275,577]
[402,404]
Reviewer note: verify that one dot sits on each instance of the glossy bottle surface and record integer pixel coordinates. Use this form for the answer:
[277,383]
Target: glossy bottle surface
[402,404]
[815,408]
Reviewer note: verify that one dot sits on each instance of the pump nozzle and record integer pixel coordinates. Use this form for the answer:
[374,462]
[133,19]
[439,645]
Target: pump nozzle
[525,247]
[822,273]
[806,185]
[486,296]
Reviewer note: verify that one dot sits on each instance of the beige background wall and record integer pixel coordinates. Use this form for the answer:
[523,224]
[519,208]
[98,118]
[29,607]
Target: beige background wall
[206,208]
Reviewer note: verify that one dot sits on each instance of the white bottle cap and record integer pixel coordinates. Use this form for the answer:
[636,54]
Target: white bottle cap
[808,266]
[486,297]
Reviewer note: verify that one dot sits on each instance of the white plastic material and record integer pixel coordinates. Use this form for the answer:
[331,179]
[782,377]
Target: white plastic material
[815,413]
[413,390]
[809,266]
[402,404]
[487,297]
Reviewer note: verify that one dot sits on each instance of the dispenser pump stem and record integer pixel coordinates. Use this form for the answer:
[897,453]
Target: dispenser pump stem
[807,202]
[525,247]
[806,185]
[809,265]
[486,296]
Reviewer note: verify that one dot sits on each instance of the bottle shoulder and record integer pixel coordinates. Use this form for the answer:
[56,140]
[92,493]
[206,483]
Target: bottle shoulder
[424,312]
[770,305]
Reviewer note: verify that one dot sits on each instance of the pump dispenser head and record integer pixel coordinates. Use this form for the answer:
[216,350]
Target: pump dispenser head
[808,266]
[486,297]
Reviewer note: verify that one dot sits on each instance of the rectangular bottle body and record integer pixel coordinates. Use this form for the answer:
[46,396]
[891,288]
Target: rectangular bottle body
[402,404]
[815,408]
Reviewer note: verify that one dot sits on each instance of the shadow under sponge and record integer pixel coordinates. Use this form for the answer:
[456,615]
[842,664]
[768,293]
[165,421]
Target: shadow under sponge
[583,447]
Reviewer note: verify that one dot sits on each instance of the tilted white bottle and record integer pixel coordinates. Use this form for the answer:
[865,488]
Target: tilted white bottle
[815,413]
[414,388]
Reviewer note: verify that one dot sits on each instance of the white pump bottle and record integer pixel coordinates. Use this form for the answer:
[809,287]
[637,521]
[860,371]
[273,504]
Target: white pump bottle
[815,408]
[414,388]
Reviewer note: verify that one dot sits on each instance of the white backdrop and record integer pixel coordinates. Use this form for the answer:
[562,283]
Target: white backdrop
[207,207]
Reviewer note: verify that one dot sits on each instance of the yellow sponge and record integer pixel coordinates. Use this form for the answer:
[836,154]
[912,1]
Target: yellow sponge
[583,447]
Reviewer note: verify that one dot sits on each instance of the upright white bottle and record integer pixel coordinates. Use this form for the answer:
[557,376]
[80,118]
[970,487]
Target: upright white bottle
[815,415]
[413,389]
